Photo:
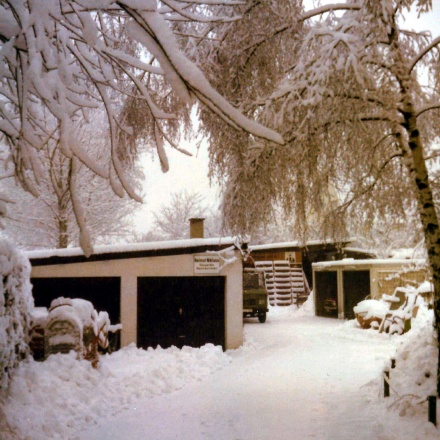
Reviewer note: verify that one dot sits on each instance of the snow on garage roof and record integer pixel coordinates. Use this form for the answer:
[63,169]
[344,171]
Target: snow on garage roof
[131,250]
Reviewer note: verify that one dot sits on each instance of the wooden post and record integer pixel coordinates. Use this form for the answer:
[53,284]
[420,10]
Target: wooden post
[432,409]
[386,385]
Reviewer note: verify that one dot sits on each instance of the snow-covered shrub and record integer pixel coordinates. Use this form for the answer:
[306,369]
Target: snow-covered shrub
[16,303]
[74,324]
[414,377]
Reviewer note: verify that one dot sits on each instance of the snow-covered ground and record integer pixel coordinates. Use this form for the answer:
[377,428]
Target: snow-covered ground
[296,377]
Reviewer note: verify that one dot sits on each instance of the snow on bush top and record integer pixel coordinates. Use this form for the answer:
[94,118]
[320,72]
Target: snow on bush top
[415,376]
[81,313]
[65,313]
[16,303]
[372,308]
[82,309]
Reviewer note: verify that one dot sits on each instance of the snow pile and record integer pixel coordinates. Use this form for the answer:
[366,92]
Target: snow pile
[16,303]
[81,395]
[426,287]
[308,308]
[371,308]
[414,377]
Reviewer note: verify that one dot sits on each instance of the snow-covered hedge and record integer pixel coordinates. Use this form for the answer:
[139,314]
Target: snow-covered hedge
[16,303]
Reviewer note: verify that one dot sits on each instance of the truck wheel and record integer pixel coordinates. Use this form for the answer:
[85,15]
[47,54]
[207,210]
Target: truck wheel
[262,318]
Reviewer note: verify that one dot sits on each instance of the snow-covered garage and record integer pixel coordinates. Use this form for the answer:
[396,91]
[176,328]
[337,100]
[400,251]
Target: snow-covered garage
[339,285]
[185,292]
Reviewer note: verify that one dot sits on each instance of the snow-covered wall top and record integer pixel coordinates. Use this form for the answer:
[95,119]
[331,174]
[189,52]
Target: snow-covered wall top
[133,247]
[349,262]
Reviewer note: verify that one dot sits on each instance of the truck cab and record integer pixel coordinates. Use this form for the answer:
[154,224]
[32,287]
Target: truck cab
[254,296]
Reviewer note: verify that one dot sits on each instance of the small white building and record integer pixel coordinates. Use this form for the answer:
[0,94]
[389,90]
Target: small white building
[338,286]
[185,292]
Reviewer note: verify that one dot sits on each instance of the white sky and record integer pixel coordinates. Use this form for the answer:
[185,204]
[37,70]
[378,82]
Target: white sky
[427,21]
[191,173]
[185,173]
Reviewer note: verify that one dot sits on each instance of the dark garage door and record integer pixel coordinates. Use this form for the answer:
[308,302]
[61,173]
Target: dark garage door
[356,288]
[326,286]
[181,311]
[102,292]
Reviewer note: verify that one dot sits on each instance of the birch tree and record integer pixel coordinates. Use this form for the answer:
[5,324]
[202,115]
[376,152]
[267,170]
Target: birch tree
[61,58]
[358,105]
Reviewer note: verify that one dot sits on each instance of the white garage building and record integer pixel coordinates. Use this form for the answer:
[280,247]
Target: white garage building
[185,292]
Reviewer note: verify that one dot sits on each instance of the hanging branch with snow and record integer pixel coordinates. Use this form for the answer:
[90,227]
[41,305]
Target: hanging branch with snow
[60,59]
[226,256]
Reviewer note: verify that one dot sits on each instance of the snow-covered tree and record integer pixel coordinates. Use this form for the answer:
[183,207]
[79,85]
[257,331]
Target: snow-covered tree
[60,58]
[385,235]
[171,222]
[48,221]
[356,96]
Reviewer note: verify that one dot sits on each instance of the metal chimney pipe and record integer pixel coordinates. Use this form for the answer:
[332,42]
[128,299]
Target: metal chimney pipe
[196,228]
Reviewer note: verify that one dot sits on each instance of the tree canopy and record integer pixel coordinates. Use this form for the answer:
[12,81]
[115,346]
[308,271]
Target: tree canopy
[335,87]
[59,59]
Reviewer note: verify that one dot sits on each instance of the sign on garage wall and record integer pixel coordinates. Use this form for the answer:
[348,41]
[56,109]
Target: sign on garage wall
[206,264]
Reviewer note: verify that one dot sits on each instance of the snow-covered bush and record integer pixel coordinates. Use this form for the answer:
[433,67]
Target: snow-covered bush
[74,324]
[16,303]
[414,377]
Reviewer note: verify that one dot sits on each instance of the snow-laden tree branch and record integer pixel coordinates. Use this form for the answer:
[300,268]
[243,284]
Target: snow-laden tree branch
[60,59]
[300,18]
[427,108]
[423,52]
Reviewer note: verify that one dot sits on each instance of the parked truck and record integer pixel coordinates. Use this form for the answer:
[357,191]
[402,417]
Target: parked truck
[255,303]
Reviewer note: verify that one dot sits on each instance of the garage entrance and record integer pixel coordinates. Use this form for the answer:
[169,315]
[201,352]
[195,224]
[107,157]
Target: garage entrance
[102,292]
[180,311]
[356,288]
[326,285]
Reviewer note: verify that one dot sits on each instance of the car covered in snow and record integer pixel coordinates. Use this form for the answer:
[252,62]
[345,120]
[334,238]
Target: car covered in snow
[255,302]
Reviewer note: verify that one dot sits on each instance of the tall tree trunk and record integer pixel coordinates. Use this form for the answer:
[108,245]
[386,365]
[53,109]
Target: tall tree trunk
[428,214]
[63,239]
[63,236]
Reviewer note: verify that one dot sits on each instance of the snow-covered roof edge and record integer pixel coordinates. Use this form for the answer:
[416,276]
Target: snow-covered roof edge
[132,247]
[373,262]
[359,250]
[299,244]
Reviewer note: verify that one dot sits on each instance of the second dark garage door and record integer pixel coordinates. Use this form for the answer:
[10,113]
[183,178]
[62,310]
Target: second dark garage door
[356,289]
[180,311]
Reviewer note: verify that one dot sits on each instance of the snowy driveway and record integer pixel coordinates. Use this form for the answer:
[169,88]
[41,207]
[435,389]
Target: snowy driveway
[295,378]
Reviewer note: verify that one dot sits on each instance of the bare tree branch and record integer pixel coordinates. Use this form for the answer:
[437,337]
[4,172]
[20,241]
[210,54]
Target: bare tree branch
[422,53]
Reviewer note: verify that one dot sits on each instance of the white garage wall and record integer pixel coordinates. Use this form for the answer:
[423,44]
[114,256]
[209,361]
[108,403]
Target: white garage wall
[176,265]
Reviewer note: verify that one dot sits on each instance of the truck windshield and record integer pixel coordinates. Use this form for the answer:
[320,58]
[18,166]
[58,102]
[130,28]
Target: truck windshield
[252,280]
